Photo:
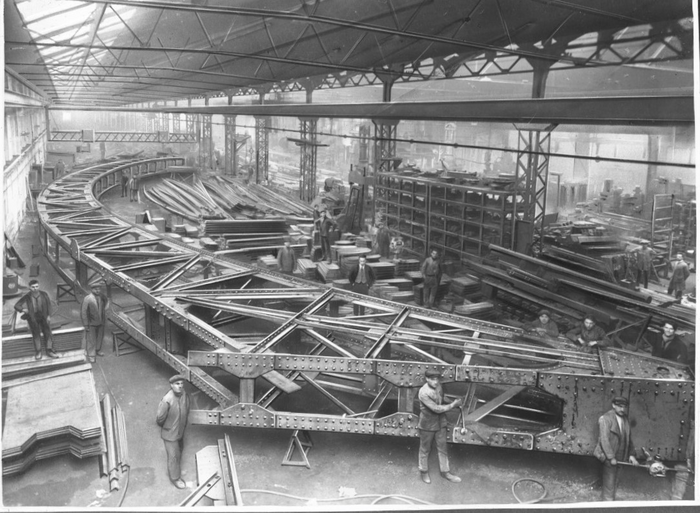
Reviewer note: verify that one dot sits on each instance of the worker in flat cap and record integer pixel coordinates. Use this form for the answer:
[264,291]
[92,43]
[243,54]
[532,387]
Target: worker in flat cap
[432,425]
[543,325]
[614,444]
[172,419]
[93,314]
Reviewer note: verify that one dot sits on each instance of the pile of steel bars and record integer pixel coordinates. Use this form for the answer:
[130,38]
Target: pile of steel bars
[113,461]
[188,201]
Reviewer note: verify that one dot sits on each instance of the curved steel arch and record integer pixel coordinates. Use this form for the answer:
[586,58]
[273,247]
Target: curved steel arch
[351,373]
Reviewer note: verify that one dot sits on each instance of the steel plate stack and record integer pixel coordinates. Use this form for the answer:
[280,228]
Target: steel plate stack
[307,268]
[22,346]
[401,284]
[415,276]
[268,262]
[328,272]
[50,417]
[478,310]
[465,286]
[406,265]
[382,270]
[222,226]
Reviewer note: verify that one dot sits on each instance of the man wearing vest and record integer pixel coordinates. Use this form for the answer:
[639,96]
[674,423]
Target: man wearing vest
[614,444]
[361,279]
[35,306]
[92,313]
[432,425]
[172,419]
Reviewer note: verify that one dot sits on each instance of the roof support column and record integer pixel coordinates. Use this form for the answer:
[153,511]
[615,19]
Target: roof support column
[307,158]
[531,177]
[231,148]
[261,148]
[384,150]
[205,142]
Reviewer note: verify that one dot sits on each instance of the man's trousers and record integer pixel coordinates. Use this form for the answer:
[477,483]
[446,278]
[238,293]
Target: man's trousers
[426,443]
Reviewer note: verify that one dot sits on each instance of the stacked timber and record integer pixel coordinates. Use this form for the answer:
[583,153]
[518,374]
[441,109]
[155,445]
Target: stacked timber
[306,268]
[50,417]
[22,346]
[327,272]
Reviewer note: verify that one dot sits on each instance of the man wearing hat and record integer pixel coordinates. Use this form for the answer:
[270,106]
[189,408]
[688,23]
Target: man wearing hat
[543,325]
[614,444]
[92,313]
[172,419]
[432,425]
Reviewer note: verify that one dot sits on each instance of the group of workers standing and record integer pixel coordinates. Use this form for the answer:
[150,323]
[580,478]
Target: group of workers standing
[130,185]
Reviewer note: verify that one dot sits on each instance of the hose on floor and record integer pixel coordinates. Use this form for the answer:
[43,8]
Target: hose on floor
[377,498]
[529,480]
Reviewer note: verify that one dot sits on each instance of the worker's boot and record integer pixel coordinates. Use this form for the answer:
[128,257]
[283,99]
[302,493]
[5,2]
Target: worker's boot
[425,477]
[451,477]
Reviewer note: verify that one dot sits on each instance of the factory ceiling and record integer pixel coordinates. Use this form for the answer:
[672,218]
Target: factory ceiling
[110,53]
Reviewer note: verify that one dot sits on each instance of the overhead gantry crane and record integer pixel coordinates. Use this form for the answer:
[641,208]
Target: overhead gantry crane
[280,352]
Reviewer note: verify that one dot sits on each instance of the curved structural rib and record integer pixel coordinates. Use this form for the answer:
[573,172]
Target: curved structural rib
[255,340]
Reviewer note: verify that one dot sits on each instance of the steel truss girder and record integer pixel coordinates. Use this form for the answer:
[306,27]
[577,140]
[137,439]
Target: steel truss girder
[307,158]
[531,178]
[570,381]
[600,52]
[158,136]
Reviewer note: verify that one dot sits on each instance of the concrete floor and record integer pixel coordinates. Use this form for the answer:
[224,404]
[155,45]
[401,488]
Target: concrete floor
[375,466]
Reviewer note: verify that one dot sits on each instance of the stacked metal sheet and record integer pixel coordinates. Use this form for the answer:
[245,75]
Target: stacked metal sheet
[415,276]
[307,268]
[403,284]
[222,226]
[22,346]
[382,270]
[50,417]
[341,253]
[405,265]
[342,284]
[268,262]
[474,309]
[327,272]
[465,286]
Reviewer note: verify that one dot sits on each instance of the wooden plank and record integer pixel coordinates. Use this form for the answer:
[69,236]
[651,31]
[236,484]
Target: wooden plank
[493,404]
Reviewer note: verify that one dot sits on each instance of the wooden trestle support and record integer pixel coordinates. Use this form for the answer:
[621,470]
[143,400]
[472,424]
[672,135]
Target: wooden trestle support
[296,358]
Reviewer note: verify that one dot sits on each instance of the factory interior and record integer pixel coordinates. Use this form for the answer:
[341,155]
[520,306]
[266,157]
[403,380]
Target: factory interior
[305,213]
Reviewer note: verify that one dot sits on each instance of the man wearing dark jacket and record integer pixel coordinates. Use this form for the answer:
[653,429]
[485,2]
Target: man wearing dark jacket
[667,345]
[432,274]
[172,419]
[35,306]
[614,444]
[432,425]
[361,279]
[588,334]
